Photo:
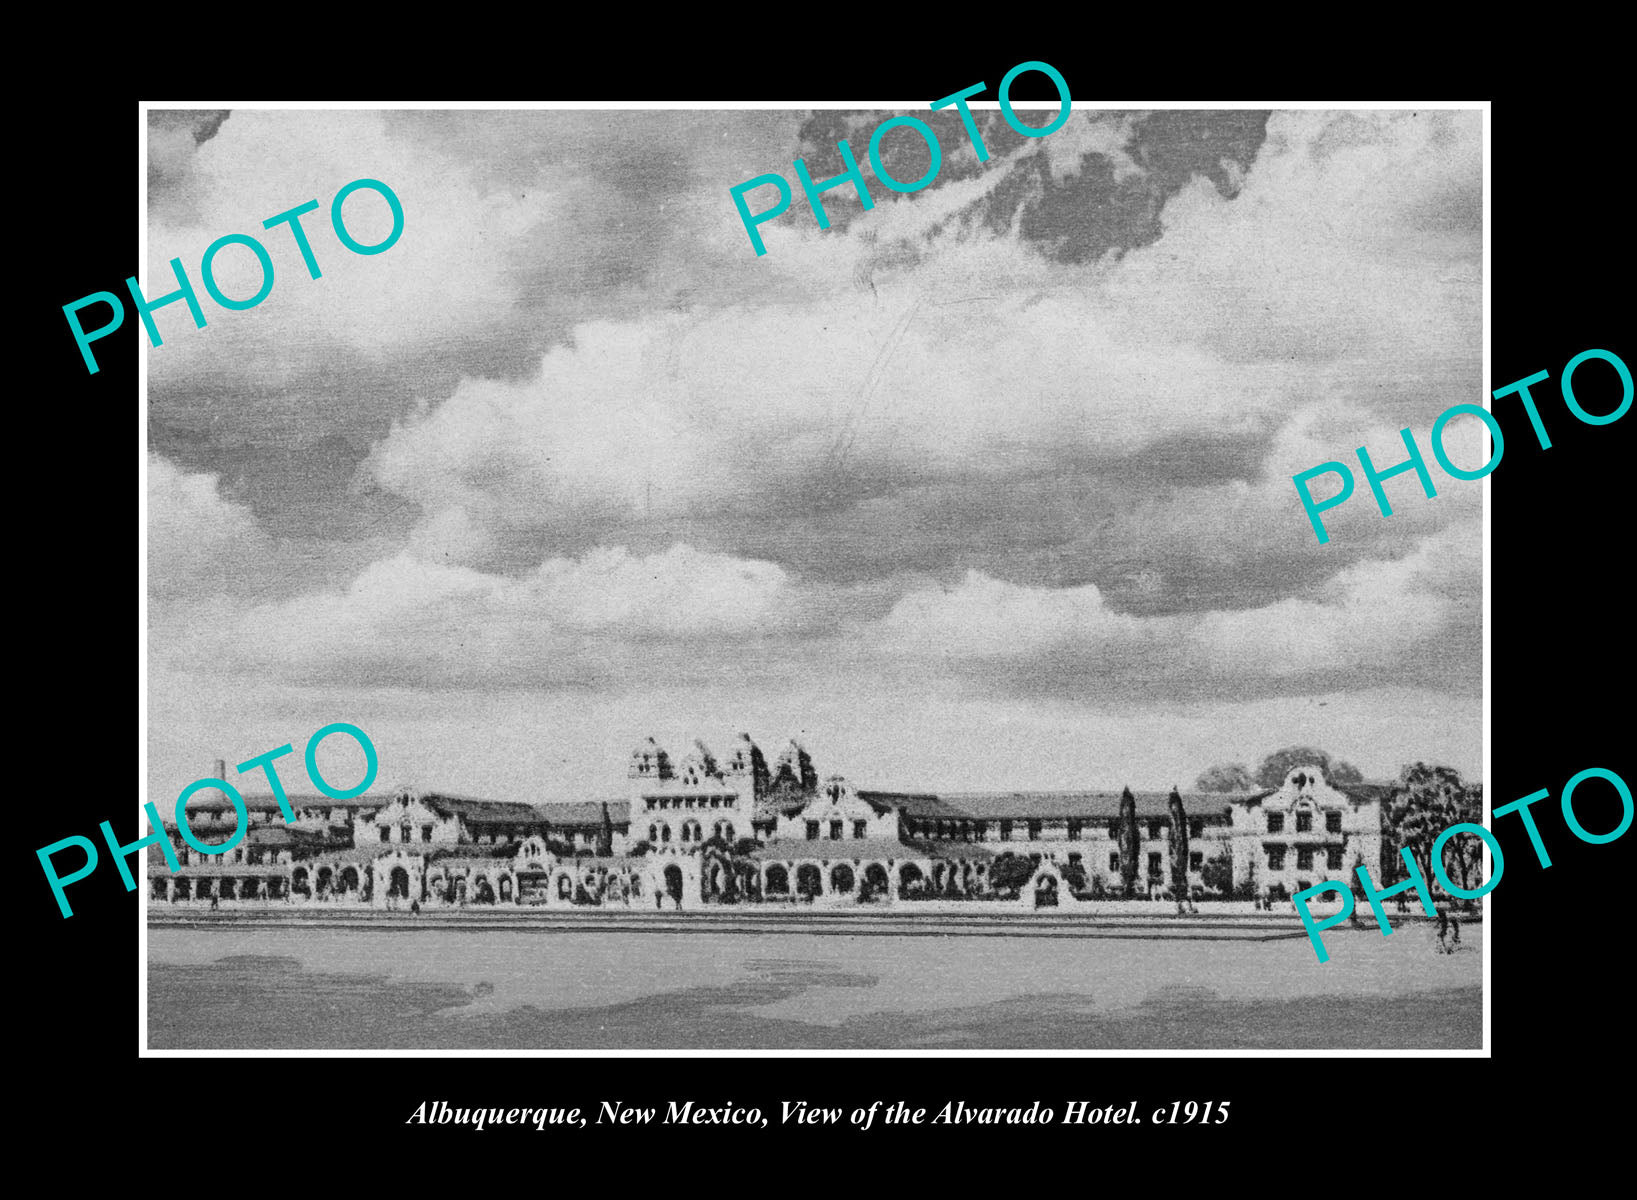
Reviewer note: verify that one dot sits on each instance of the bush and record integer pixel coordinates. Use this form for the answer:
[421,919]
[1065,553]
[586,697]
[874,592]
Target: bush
[1009,873]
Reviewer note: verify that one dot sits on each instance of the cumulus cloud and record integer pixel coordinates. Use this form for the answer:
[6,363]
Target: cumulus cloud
[1028,434]
[570,621]
[199,541]
[1374,621]
[445,278]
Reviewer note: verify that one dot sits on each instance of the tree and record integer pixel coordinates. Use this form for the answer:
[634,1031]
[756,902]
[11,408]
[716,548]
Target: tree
[1276,766]
[1427,800]
[1230,777]
[1010,872]
[1179,846]
[1217,874]
[1075,876]
[807,773]
[759,778]
[1130,842]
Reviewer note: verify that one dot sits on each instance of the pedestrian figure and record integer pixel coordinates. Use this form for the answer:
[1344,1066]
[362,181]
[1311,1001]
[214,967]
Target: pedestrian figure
[415,907]
[1443,929]
[1455,927]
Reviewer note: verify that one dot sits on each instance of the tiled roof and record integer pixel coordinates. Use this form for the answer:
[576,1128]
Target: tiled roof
[992,806]
[479,812]
[843,849]
[282,836]
[215,801]
[583,812]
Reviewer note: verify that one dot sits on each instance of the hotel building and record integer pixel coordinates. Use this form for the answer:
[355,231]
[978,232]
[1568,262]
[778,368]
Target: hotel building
[708,831]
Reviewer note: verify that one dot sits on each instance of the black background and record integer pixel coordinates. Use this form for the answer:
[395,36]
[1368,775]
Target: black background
[1561,280]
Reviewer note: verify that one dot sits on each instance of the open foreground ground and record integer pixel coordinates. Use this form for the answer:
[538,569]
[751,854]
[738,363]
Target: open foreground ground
[701,985]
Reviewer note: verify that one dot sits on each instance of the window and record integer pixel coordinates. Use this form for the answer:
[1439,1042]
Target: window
[1276,822]
[1304,858]
[1005,831]
[859,827]
[835,831]
[426,833]
[1304,822]
[403,832]
[1196,829]
[1114,861]
[1154,828]
[653,834]
[1074,832]
[1034,831]
[1332,822]
[1332,857]
[812,831]
[1276,858]
[1153,866]
[1196,860]
[665,833]
[386,833]
[1075,858]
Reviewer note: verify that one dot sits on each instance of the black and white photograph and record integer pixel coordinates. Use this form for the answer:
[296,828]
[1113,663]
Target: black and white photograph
[829,615]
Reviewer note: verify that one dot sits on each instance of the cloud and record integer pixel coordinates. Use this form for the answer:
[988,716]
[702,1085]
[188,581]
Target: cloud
[1024,438]
[1374,621]
[199,542]
[404,620]
[446,278]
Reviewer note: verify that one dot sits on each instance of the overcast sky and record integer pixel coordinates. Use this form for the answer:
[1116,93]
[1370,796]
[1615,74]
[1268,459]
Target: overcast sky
[987,487]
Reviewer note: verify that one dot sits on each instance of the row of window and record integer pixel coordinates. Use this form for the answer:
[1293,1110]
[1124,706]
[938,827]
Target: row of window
[654,802]
[1196,862]
[405,834]
[1304,822]
[1304,858]
[255,855]
[978,830]
[860,829]
[691,831]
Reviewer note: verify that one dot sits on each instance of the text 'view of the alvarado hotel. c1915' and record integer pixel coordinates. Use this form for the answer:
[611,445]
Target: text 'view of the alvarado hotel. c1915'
[708,831]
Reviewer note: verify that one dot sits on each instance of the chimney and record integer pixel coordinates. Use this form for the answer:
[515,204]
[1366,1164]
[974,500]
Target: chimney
[221,770]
